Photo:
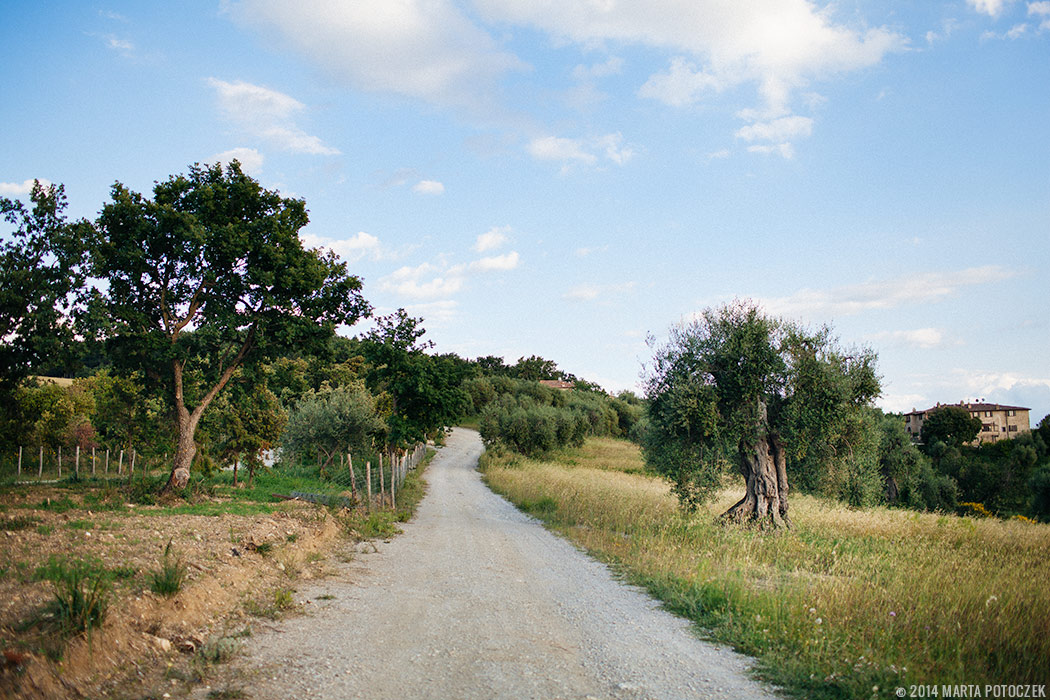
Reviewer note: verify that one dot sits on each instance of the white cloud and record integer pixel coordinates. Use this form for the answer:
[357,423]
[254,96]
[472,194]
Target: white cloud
[122,45]
[429,187]
[440,280]
[496,262]
[267,114]
[992,8]
[612,66]
[1041,10]
[351,249]
[683,84]
[591,292]
[571,152]
[783,129]
[779,45]
[921,288]
[425,281]
[923,338]
[15,189]
[250,159]
[560,149]
[784,150]
[426,49]
[492,239]
[584,252]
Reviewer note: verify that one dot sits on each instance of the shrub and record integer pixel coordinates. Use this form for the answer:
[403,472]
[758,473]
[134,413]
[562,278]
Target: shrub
[81,595]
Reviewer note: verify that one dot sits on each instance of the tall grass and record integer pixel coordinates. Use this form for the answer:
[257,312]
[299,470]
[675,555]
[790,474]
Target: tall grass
[847,603]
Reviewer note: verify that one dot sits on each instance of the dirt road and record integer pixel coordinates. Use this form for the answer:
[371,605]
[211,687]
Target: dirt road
[477,600]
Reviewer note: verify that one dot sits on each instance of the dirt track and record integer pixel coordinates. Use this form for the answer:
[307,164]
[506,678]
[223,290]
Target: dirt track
[477,600]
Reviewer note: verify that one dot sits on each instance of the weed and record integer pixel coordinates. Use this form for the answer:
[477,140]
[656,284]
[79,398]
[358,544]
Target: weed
[45,530]
[264,548]
[292,537]
[227,694]
[167,580]
[60,505]
[80,525]
[81,591]
[22,522]
[218,650]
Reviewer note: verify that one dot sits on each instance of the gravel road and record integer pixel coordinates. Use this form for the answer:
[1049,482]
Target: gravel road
[477,600]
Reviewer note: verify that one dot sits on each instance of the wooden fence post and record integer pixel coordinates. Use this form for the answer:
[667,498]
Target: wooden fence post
[353,481]
[368,481]
[59,461]
[92,461]
[76,463]
[132,472]
[20,460]
[382,488]
[40,473]
[107,460]
[120,463]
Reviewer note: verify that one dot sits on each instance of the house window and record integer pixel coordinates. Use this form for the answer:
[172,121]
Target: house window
[987,428]
[1013,428]
[1011,413]
[976,414]
[987,414]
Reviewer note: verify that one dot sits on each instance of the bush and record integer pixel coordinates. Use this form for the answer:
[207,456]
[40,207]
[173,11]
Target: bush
[81,595]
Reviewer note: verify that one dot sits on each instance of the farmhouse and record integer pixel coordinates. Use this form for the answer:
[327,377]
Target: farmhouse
[998,422]
[558,384]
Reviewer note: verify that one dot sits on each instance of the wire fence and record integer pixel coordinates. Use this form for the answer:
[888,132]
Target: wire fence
[372,479]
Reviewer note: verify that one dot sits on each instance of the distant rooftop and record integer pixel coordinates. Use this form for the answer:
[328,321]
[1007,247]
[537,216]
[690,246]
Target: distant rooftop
[974,407]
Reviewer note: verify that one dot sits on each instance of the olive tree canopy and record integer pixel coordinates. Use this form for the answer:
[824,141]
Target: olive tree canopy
[738,389]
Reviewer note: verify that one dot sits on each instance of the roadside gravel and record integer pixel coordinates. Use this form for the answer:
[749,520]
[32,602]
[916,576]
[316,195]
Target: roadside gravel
[477,600]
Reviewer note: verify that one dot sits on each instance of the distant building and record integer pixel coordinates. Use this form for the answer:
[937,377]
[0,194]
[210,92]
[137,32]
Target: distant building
[997,422]
[558,384]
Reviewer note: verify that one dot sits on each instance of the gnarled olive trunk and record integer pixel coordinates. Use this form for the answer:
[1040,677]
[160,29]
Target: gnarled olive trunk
[763,465]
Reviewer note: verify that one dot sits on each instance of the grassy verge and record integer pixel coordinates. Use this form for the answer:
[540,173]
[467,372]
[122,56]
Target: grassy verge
[846,604]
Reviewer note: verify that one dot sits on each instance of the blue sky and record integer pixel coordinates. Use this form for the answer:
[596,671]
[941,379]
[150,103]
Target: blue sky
[566,177]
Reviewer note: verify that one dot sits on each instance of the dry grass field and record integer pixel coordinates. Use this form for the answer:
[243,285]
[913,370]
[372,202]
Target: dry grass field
[847,603]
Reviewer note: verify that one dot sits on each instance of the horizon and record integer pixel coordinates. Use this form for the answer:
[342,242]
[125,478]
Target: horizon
[566,180]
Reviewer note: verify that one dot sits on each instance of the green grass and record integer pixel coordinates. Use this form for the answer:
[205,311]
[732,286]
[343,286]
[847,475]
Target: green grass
[845,601]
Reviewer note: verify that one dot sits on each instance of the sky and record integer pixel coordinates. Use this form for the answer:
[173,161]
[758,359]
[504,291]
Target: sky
[568,178]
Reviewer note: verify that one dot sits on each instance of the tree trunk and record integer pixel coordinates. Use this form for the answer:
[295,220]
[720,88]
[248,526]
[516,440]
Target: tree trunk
[185,451]
[763,465]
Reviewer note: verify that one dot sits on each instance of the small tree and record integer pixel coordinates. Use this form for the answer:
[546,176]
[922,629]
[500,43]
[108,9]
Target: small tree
[737,388]
[334,421]
[209,276]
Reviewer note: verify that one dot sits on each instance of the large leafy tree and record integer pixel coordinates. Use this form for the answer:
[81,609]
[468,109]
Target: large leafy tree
[208,276]
[40,270]
[736,388]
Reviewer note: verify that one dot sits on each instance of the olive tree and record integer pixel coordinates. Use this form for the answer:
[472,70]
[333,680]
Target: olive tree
[738,389]
[206,277]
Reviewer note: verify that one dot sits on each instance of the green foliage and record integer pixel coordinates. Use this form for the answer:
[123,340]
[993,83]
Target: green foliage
[208,276]
[1039,486]
[952,425]
[167,579]
[424,391]
[40,267]
[734,377]
[533,419]
[334,420]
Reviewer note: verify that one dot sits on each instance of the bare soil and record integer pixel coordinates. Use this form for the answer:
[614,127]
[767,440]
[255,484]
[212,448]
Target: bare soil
[240,568]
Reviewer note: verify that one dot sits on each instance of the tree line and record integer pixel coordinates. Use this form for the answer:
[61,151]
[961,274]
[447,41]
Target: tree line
[197,324]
